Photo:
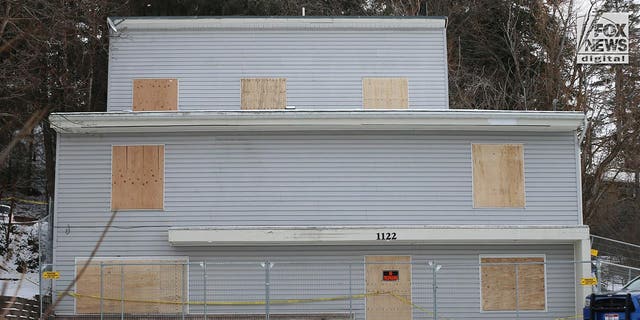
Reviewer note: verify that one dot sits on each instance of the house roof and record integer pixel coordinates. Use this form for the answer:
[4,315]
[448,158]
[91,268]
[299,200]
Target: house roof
[262,23]
[297,120]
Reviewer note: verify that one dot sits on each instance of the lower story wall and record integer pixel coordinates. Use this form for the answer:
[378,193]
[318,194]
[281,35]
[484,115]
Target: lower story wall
[328,275]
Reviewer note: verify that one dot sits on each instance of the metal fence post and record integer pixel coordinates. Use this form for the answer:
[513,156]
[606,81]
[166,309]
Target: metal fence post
[101,290]
[184,284]
[434,284]
[350,294]
[51,289]
[40,265]
[598,275]
[122,291]
[267,275]
[517,293]
[204,282]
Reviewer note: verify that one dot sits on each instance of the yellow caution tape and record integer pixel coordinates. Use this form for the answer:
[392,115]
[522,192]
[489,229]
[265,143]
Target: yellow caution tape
[23,200]
[280,301]
[409,302]
[229,303]
[569,318]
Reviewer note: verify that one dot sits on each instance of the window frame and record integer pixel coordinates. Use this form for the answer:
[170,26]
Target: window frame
[403,82]
[524,178]
[164,180]
[242,85]
[514,256]
[133,88]
[97,260]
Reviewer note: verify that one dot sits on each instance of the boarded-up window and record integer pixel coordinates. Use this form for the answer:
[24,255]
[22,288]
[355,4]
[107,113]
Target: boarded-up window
[263,93]
[385,93]
[137,177]
[155,94]
[498,176]
[148,286]
[513,284]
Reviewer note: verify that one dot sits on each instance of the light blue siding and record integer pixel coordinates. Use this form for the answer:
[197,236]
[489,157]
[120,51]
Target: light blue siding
[309,179]
[319,179]
[323,67]
[312,272]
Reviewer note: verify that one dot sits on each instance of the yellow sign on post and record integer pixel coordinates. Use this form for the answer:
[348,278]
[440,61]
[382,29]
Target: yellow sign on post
[588,281]
[51,275]
[594,252]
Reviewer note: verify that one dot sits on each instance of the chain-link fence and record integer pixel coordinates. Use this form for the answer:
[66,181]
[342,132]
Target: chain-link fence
[618,261]
[45,250]
[383,287]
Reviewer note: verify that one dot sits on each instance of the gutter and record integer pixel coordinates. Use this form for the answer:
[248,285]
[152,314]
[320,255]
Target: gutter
[279,23]
[288,120]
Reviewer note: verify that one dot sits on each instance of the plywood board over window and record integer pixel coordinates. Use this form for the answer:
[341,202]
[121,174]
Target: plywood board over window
[263,93]
[135,286]
[498,176]
[385,93]
[500,282]
[155,94]
[388,306]
[137,177]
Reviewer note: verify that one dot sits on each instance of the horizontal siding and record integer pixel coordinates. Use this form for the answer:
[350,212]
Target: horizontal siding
[318,179]
[324,68]
[312,272]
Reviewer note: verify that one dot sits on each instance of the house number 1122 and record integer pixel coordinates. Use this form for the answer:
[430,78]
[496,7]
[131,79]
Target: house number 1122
[386,236]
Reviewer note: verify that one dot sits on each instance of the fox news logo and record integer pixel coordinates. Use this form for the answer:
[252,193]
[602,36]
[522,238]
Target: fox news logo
[604,39]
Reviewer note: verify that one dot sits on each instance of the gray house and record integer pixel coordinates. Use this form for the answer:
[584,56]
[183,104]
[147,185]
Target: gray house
[319,153]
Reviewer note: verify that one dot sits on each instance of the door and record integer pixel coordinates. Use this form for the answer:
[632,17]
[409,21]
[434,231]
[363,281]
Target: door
[388,280]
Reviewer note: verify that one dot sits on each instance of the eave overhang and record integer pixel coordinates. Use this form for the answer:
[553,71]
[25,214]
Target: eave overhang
[368,235]
[277,23]
[289,120]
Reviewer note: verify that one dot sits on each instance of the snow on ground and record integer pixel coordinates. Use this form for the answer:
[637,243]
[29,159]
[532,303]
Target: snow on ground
[22,251]
[27,288]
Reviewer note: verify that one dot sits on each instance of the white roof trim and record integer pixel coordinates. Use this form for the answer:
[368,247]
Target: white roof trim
[161,23]
[368,235]
[106,122]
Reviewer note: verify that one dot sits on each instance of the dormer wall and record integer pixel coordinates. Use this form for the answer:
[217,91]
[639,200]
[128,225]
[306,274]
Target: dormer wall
[291,63]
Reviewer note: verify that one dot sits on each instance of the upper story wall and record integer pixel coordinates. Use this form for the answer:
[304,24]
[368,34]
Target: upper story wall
[319,179]
[323,60]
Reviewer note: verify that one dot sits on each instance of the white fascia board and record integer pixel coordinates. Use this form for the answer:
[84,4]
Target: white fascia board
[368,235]
[481,120]
[266,23]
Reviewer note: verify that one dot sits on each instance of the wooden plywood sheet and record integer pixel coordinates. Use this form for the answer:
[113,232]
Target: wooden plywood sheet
[263,93]
[498,176]
[531,285]
[159,282]
[155,94]
[150,280]
[385,306]
[385,93]
[137,177]
[88,287]
[499,284]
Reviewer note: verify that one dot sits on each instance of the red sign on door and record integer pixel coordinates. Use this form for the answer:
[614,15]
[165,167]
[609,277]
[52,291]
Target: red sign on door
[390,275]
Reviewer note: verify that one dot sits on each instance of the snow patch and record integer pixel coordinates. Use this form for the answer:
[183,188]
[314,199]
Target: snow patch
[26,288]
